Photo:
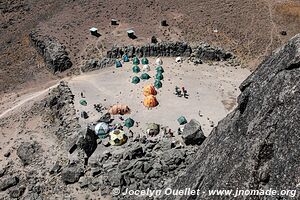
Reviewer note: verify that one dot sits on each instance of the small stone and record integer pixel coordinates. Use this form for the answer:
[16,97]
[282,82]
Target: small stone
[7,154]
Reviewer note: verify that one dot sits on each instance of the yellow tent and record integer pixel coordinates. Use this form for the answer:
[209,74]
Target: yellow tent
[117,137]
[149,90]
[150,101]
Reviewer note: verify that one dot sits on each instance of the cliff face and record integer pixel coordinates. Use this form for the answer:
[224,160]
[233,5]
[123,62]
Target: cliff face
[257,145]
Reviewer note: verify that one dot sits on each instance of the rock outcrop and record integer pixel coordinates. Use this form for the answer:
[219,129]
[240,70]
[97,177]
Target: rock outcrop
[28,152]
[200,52]
[192,133]
[257,145]
[54,53]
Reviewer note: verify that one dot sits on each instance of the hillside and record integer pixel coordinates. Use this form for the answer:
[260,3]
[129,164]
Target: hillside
[251,29]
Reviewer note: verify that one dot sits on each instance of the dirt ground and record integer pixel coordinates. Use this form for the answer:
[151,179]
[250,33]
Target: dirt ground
[212,93]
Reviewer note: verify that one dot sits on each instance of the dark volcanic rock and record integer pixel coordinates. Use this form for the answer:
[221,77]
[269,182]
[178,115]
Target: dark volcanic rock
[6,183]
[135,152]
[257,145]
[206,52]
[59,108]
[164,49]
[27,152]
[88,141]
[192,133]
[72,173]
[55,55]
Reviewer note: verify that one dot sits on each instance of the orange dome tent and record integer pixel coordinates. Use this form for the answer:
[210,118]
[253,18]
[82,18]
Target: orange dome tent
[149,90]
[119,109]
[150,101]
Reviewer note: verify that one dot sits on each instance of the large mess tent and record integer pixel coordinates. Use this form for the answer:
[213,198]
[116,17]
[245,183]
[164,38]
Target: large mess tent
[149,90]
[150,101]
[119,109]
[117,137]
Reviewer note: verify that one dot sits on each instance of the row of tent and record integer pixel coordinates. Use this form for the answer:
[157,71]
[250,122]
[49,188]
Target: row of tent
[136,61]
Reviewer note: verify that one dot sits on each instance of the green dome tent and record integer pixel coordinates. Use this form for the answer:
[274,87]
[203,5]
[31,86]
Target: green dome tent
[136,69]
[83,102]
[129,123]
[182,120]
[159,76]
[118,64]
[145,61]
[145,76]
[136,61]
[135,80]
[160,69]
[157,84]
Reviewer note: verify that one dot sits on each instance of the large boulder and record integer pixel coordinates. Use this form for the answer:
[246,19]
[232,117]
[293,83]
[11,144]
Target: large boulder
[54,53]
[87,141]
[72,173]
[192,133]
[27,152]
[255,147]
[8,182]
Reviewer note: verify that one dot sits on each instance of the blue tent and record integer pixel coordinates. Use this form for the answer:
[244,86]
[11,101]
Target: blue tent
[118,64]
[125,58]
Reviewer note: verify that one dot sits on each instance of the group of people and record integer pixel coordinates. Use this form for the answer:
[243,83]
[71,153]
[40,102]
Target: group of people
[181,93]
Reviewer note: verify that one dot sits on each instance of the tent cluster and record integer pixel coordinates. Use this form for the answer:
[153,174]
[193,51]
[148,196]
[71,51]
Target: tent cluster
[150,99]
[159,74]
[149,90]
[136,69]
[114,132]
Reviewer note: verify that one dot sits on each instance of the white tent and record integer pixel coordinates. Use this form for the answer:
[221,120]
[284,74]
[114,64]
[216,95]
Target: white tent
[146,68]
[159,61]
[178,60]
[101,128]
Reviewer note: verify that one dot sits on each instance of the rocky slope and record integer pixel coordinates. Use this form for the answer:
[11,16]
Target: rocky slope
[257,145]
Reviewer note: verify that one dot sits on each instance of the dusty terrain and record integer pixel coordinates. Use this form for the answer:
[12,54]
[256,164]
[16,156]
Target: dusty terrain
[48,151]
[251,29]
[212,90]
[212,93]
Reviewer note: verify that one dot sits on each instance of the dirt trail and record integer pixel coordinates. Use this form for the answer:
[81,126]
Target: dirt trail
[26,98]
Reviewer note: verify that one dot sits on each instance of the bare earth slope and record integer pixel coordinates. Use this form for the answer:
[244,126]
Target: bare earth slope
[249,28]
